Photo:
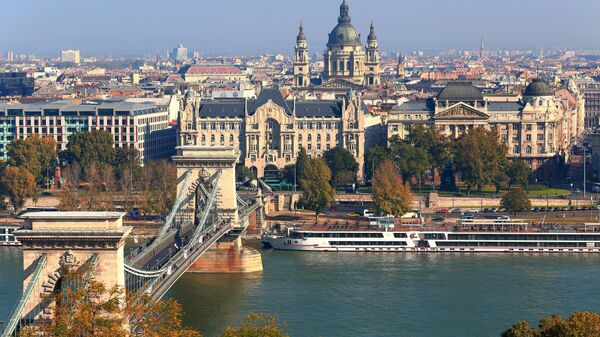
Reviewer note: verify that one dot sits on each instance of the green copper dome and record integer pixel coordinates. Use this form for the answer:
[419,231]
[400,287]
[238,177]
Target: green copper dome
[344,32]
[538,87]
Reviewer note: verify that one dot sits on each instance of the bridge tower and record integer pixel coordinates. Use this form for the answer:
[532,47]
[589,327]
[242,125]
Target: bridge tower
[53,240]
[203,162]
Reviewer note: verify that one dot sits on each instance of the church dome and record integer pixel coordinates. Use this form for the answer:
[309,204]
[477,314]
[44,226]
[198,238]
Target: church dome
[538,87]
[344,33]
[460,92]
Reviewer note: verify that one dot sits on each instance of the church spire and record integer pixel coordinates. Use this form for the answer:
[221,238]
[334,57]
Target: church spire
[372,36]
[344,13]
[301,36]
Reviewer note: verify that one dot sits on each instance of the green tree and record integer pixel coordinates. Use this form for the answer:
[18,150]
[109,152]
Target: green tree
[18,184]
[518,172]
[374,157]
[317,193]
[515,201]
[342,164]
[257,325]
[36,154]
[87,147]
[480,158]
[243,174]
[413,161]
[301,162]
[390,195]
[433,141]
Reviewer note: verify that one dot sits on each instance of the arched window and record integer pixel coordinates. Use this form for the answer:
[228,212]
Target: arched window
[299,138]
[203,138]
[222,139]
[212,138]
[328,137]
[528,149]
[309,138]
[318,138]
[231,138]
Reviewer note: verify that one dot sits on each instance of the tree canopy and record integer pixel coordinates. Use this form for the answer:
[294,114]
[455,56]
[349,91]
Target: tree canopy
[317,193]
[18,184]
[580,324]
[480,158]
[515,201]
[87,147]
[518,172]
[36,154]
[390,195]
[342,164]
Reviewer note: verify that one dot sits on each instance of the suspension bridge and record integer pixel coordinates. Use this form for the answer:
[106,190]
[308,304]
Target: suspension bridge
[207,209]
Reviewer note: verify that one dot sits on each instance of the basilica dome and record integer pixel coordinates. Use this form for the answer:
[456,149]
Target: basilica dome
[344,33]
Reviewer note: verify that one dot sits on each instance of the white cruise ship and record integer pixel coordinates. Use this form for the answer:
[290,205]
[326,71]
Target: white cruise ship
[468,236]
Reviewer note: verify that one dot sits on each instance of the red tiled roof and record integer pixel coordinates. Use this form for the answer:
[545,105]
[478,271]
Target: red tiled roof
[174,78]
[212,70]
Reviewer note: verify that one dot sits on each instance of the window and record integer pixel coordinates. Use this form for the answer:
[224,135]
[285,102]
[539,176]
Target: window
[528,137]
[528,127]
[528,149]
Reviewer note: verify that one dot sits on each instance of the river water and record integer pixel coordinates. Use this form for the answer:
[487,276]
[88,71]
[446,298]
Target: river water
[379,294]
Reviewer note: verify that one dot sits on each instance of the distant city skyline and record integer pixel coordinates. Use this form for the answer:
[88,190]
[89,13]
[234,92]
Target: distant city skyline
[235,27]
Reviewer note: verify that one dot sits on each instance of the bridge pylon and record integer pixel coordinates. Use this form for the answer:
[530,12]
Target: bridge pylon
[203,162]
[61,239]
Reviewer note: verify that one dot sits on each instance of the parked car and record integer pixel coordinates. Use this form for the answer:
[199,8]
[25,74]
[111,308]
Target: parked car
[442,210]
[437,219]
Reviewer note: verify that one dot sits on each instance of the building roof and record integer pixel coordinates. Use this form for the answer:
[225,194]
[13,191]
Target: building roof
[416,105]
[210,70]
[458,91]
[504,106]
[59,215]
[64,107]
[329,108]
[538,87]
[344,33]
[269,94]
[223,108]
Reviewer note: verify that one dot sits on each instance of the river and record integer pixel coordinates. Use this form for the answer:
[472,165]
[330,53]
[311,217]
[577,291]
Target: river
[373,294]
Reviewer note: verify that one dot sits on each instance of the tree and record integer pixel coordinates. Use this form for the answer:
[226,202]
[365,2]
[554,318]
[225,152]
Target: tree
[317,193]
[390,195]
[301,162]
[90,309]
[433,141]
[342,164]
[413,161]
[36,154]
[520,329]
[580,324]
[18,184]
[518,172]
[374,157]
[257,325]
[515,201]
[243,174]
[480,158]
[159,187]
[87,147]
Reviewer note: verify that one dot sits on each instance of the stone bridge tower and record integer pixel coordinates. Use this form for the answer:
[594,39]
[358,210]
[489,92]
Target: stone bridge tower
[203,162]
[73,239]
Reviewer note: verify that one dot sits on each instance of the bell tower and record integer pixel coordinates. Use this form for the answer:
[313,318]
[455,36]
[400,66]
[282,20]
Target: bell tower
[372,59]
[400,72]
[301,71]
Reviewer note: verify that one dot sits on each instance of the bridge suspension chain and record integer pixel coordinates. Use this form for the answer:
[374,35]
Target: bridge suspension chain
[16,316]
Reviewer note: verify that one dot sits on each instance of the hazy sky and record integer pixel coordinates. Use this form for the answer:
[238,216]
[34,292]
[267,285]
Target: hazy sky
[215,27]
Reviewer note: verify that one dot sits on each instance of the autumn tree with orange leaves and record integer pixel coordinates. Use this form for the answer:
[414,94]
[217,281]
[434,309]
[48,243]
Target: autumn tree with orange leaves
[390,194]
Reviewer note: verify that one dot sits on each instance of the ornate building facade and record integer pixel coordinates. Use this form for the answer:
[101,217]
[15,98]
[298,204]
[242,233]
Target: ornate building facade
[345,57]
[270,130]
[536,127]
